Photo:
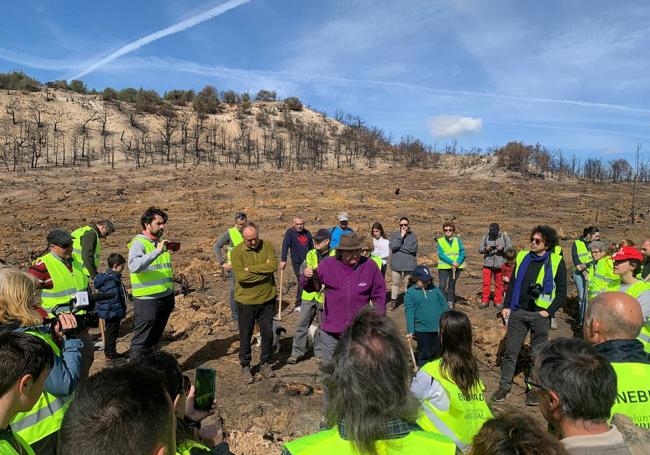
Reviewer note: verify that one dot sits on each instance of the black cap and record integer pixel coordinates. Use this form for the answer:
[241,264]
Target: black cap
[322,234]
[240,216]
[60,238]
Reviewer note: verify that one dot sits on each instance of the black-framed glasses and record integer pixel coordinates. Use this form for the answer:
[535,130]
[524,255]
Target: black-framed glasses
[534,386]
[403,224]
[448,230]
[536,241]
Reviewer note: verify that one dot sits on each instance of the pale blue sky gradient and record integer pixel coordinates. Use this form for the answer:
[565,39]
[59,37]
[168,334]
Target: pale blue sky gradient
[574,76]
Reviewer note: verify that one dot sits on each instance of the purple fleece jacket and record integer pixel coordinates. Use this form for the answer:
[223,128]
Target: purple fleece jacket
[347,291]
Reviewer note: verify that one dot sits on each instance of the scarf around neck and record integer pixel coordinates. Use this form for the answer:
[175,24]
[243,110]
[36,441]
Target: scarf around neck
[547,284]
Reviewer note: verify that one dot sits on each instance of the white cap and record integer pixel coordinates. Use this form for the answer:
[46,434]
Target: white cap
[343,216]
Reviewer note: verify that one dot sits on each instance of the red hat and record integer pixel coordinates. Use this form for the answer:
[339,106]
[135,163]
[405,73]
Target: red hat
[628,252]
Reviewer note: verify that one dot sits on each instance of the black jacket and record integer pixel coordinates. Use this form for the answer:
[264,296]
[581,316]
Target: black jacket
[623,351]
[526,302]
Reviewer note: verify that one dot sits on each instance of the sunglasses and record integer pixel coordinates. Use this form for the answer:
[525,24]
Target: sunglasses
[448,230]
[403,224]
[536,241]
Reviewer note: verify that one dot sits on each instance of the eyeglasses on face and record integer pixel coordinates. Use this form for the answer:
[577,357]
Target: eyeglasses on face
[448,230]
[533,386]
[536,240]
[403,224]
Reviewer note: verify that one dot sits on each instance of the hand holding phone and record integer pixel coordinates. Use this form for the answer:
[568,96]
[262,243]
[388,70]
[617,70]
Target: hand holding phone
[206,379]
[173,246]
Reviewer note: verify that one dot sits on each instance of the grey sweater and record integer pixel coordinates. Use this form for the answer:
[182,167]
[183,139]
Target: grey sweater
[494,258]
[404,252]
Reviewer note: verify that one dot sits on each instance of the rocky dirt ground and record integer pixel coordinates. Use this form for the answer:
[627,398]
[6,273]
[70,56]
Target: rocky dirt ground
[201,203]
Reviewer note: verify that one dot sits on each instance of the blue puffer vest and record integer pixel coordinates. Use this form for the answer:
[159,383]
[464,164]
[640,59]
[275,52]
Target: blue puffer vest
[115,307]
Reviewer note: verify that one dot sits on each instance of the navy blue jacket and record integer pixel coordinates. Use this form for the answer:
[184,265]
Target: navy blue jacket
[115,307]
[299,243]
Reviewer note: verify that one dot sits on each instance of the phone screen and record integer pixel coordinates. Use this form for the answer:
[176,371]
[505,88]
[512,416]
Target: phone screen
[173,246]
[205,388]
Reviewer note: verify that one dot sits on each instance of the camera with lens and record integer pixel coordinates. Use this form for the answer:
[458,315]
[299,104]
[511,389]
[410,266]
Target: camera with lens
[83,311]
[535,290]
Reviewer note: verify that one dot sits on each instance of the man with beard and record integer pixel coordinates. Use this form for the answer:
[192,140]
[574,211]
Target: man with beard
[150,267]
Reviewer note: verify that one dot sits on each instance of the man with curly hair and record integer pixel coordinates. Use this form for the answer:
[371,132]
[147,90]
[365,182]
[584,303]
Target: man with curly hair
[538,288]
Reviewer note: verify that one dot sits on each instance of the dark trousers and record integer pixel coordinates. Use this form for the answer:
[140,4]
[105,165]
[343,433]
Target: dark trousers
[296,271]
[248,315]
[111,333]
[447,283]
[383,269]
[519,323]
[231,286]
[428,347]
[149,320]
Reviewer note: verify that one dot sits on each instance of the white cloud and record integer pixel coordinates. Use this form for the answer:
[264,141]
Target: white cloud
[455,125]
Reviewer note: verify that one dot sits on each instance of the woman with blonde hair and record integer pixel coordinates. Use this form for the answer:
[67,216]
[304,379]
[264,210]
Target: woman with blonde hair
[18,313]
[17,299]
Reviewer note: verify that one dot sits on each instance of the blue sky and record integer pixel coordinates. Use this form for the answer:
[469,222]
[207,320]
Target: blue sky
[572,75]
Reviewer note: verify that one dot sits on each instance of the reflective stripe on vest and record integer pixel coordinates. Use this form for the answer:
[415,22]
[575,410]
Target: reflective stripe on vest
[451,251]
[157,277]
[635,291]
[638,288]
[65,283]
[544,300]
[312,263]
[235,239]
[633,392]
[46,415]
[584,256]
[464,418]
[602,277]
[6,448]
[76,247]
[330,442]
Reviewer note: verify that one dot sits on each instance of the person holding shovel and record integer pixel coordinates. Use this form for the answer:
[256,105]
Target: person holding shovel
[351,281]
[451,258]
[423,306]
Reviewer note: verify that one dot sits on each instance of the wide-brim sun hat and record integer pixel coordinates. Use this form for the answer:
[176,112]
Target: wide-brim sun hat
[350,242]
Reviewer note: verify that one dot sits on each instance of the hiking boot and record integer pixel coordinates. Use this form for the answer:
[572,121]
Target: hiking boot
[498,306]
[293,360]
[553,324]
[267,371]
[246,375]
[451,305]
[392,305]
[531,398]
[483,305]
[500,395]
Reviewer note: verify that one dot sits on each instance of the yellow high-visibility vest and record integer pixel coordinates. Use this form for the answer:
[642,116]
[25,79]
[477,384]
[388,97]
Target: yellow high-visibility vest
[76,247]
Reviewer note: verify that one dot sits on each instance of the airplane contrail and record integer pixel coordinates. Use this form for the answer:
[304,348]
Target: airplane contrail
[172,29]
[223,71]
